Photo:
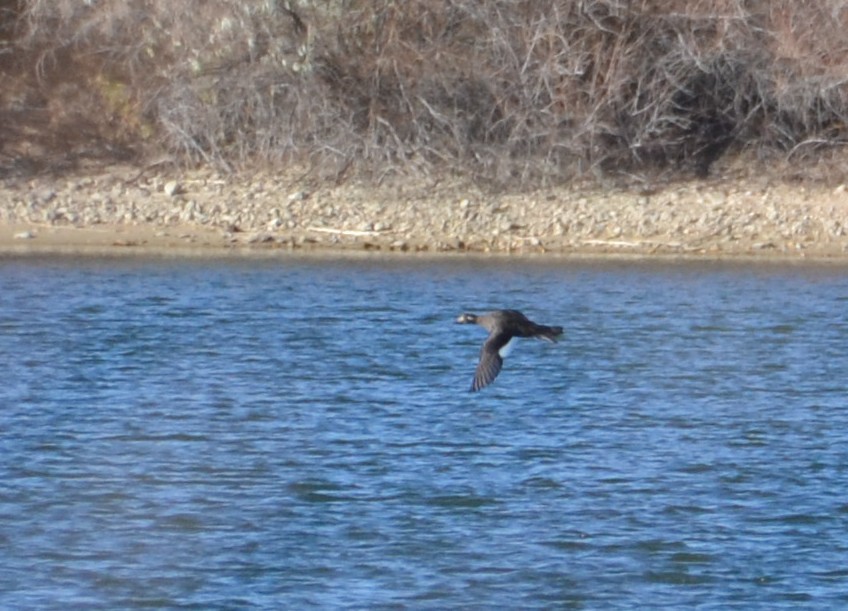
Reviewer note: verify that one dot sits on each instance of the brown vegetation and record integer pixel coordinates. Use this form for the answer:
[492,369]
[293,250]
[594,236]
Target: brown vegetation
[523,91]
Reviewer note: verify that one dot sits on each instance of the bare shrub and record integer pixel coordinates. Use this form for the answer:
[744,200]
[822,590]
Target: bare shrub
[509,90]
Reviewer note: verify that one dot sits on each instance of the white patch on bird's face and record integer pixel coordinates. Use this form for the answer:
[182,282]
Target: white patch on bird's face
[507,348]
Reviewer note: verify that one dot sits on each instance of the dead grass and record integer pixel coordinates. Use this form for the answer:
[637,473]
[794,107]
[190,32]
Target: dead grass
[512,92]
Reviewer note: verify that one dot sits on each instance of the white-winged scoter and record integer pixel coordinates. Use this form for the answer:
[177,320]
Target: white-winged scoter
[502,325]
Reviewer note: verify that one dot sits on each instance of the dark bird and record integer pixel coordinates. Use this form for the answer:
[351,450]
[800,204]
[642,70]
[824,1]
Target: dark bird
[502,325]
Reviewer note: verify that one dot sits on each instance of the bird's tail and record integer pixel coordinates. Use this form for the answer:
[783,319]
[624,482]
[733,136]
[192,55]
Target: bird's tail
[549,334]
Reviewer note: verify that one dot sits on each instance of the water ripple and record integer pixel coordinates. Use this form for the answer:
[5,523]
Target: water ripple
[291,434]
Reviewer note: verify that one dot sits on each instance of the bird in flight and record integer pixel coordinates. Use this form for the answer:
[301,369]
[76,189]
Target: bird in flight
[503,326]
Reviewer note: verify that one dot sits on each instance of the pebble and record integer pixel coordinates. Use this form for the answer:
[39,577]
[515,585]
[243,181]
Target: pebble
[445,218]
[172,188]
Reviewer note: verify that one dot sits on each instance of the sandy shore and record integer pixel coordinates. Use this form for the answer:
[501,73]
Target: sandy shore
[128,209]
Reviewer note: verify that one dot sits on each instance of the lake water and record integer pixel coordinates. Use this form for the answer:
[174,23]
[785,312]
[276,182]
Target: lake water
[298,433]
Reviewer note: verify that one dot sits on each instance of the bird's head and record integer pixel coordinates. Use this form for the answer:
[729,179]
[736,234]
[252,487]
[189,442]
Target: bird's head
[466,318]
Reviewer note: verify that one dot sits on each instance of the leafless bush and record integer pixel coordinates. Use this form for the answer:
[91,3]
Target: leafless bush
[513,90]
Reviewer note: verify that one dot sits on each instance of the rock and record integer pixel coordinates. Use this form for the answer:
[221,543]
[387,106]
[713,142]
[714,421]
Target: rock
[44,195]
[172,188]
[260,238]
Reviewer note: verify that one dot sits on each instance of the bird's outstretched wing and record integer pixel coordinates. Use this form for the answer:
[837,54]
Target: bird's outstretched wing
[491,361]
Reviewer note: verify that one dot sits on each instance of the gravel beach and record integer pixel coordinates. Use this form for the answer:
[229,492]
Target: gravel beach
[131,209]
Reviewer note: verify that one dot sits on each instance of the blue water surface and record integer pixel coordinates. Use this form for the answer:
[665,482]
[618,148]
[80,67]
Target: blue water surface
[298,433]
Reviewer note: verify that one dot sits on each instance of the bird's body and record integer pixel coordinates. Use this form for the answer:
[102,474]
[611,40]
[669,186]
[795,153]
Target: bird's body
[503,326]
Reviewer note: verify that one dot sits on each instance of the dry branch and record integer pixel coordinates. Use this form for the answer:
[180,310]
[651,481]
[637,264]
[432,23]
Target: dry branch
[504,90]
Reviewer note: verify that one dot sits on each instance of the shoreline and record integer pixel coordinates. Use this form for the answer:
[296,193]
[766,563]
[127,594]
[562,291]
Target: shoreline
[127,210]
[136,242]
